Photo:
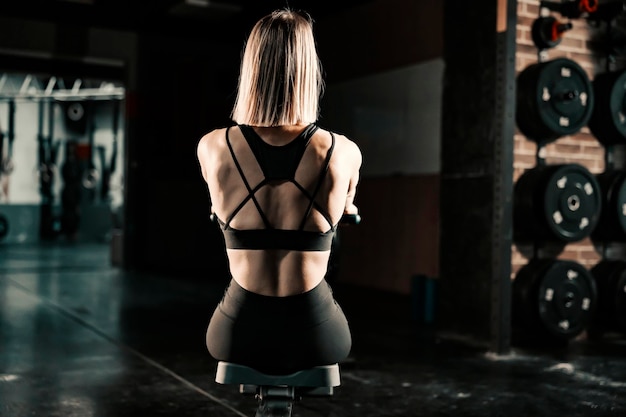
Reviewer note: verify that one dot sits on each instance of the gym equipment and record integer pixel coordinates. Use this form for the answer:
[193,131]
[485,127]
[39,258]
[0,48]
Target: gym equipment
[547,31]
[3,163]
[555,203]
[553,299]
[71,192]
[610,312]
[106,175]
[109,170]
[75,118]
[47,154]
[611,226]
[6,160]
[91,176]
[4,226]
[1,152]
[6,156]
[350,219]
[554,98]
[277,394]
[572,9]
[335,252]
[608,118]
[606,11]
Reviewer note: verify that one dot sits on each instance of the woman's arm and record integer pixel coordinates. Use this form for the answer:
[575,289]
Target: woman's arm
[202,153]
[357,159]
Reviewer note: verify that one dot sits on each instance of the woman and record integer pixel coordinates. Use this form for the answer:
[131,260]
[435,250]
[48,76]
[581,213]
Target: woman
[279,185]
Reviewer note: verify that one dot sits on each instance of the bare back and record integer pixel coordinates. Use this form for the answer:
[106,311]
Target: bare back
[279,272]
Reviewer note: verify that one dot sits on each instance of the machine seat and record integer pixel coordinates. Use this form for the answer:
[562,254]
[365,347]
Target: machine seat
[319,376]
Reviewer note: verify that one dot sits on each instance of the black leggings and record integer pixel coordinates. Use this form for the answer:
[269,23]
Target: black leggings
[279,335]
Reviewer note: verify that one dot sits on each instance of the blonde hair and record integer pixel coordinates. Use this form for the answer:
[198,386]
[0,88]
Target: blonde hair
[280,80]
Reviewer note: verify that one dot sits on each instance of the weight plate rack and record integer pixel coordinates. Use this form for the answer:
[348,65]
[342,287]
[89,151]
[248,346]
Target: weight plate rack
[553,300]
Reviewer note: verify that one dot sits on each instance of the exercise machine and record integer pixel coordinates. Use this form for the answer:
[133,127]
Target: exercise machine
[277,394]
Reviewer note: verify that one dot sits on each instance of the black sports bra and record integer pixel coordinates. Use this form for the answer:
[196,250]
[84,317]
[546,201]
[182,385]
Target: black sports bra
[279,163]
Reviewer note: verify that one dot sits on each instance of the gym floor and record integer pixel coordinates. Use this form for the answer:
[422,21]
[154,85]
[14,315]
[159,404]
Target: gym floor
[79,337]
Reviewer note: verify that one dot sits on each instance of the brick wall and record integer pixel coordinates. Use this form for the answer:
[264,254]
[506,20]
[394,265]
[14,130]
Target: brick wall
[582,147]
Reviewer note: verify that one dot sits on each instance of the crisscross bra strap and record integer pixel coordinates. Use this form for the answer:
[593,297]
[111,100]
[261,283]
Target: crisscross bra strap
[251,191]
[272,238]
[320,180]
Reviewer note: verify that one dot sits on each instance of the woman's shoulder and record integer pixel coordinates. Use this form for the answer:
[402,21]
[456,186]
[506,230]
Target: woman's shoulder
[214,134]
[340,137]
[214,139]
[344,143]
[212,143]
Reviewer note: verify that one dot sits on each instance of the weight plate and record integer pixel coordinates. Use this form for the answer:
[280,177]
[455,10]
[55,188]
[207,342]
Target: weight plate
[546,32]
[4,226]
[554,98]
[611,225]
[555,203]
[75,118]
[608,118]
[610,280]
[572,202]
[566,296]
[555,298]
[75,112]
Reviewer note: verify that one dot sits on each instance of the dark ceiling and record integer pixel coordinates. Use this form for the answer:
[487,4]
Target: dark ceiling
[222,21]
[179,17]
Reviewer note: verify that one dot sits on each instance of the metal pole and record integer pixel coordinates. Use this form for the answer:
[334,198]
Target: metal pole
[500,339]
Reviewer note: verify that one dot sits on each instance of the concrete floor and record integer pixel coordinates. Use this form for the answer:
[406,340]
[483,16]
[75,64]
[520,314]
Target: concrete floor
[79,337]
